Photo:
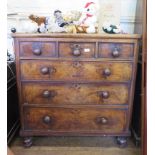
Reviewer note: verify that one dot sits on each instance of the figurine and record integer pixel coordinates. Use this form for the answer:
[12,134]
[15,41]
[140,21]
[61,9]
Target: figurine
[59,19]
[72,15]
[111,28]
[41,21]
[88,20]
[38,19]
[67,25]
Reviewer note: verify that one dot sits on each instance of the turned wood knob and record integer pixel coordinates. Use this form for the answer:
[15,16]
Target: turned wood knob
[37,51]
[47,119]
[115,52]
[105,94]
[76,50]
[107,72]
[48,93]
[102,120]
[45,70]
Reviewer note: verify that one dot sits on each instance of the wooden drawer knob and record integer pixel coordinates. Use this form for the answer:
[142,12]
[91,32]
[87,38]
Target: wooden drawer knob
[47,119]
[45,70]
[37,51]
[48,94]
[105,94]
[76,50]
[102,120]
[115,52]
[107,72]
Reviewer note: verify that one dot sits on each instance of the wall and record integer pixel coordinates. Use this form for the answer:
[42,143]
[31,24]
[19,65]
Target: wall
[43,6]
[46,7]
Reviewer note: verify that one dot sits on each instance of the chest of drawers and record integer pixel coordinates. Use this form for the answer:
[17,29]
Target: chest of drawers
[75,84]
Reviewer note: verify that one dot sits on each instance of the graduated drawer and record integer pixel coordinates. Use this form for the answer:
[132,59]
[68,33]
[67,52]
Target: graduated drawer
[37,49]
[116,50]
[75,93]
[77,49]
[80,119]
[75,70]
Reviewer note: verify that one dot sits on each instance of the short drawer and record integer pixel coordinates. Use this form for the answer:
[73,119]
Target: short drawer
[116,50]
[37,49]
[80,119]
[77,49]
[75,93]
[76,70]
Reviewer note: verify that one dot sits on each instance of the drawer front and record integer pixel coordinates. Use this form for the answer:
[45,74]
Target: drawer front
[37,49]
[75,119]
[75,93]
[116,50]
[76,50]
[76,71]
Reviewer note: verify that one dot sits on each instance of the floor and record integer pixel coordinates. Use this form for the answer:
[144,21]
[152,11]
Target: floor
[73,146]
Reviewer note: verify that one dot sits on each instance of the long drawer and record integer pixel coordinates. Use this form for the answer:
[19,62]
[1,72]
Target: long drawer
[76,70]
[75,93]
[88,120]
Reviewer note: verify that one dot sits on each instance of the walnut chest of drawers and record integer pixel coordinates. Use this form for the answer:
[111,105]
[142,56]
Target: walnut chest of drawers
[75,84]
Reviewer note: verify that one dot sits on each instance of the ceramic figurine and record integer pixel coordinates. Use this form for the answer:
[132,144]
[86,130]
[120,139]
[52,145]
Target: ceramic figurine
[88,20]
[67,25]
[111,28]
[59,18]
[42,22]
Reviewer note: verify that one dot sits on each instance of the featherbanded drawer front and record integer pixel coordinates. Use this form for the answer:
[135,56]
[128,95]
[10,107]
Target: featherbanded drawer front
[75,93]
[76,84]
[75,119]
[116,50]
[77,49]
[76,70]
[38,49]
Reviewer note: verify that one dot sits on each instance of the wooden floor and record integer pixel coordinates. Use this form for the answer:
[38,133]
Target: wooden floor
[73,146]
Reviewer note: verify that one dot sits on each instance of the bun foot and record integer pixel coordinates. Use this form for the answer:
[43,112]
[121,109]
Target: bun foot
[27,142]
[121,141]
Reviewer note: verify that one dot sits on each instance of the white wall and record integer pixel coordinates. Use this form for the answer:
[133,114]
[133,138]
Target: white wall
[46,7]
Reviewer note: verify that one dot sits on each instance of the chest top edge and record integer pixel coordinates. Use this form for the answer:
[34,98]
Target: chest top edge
[67,35]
